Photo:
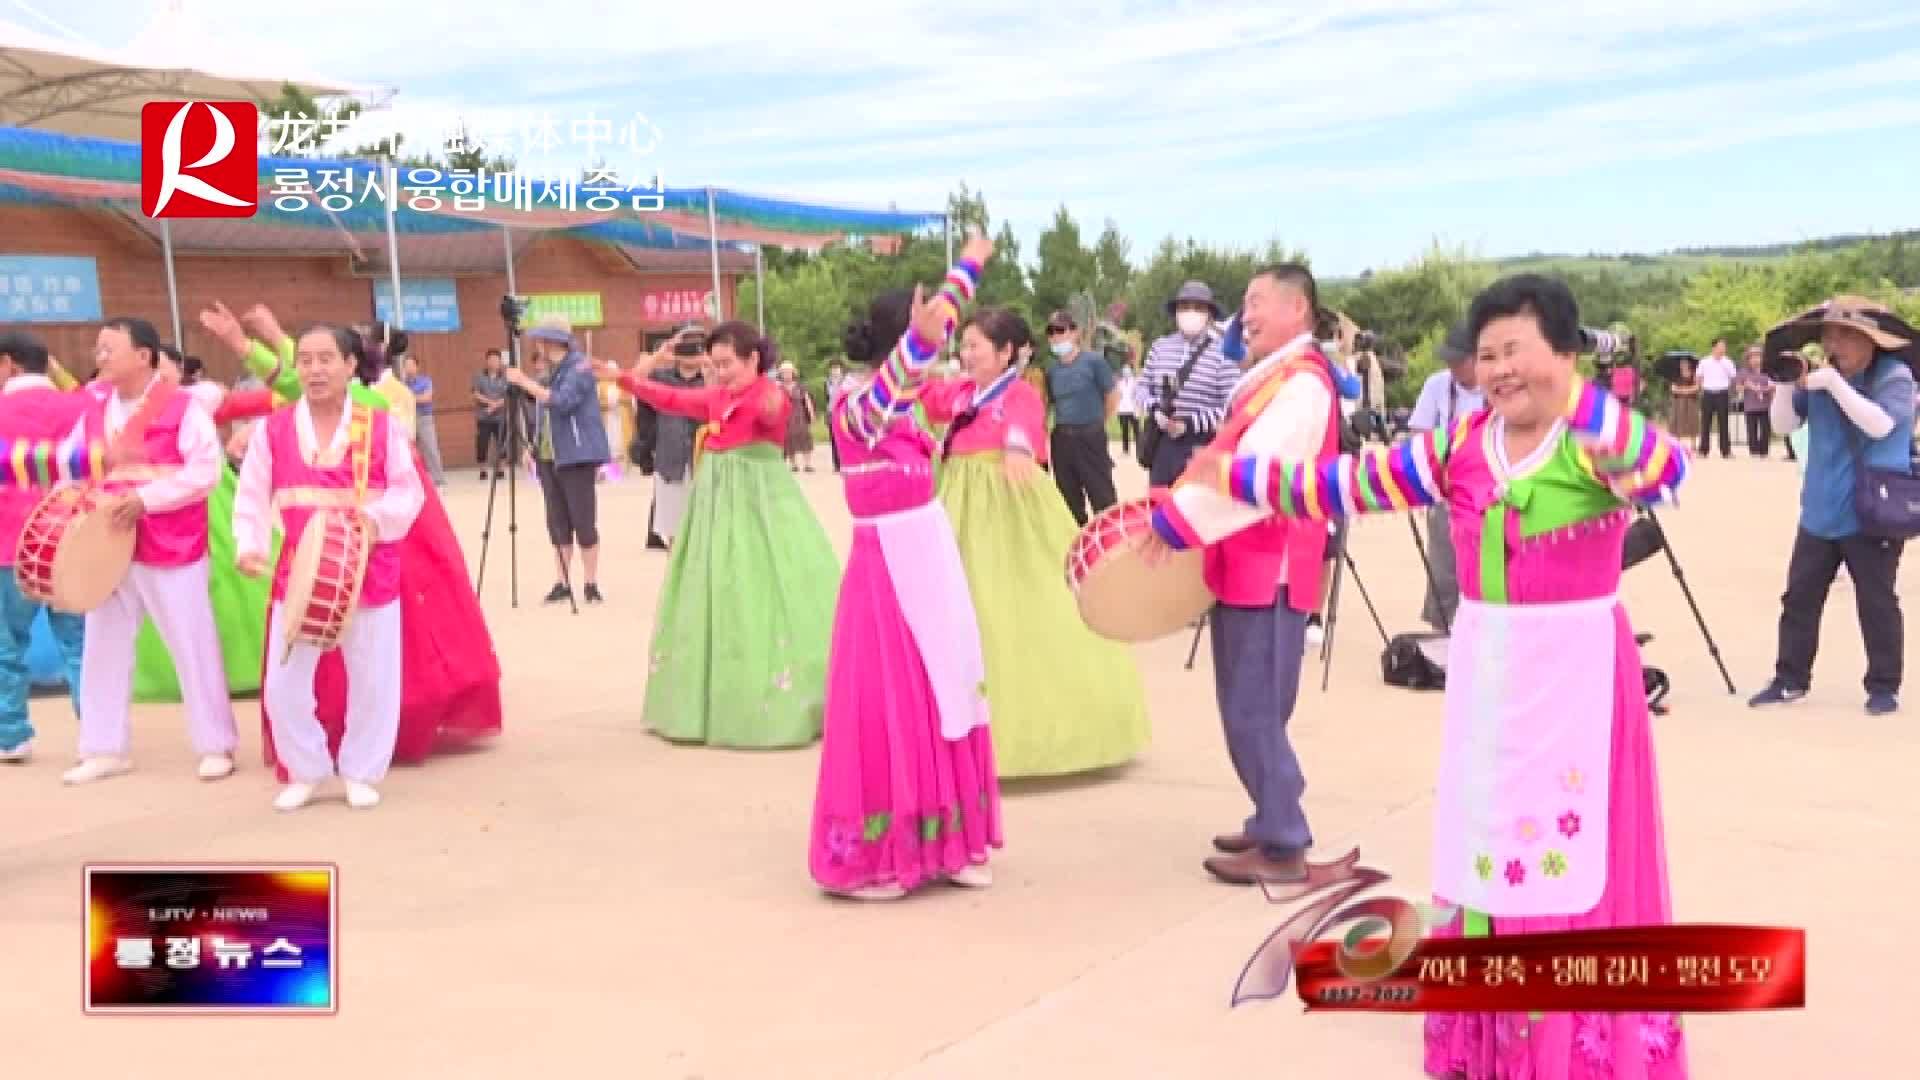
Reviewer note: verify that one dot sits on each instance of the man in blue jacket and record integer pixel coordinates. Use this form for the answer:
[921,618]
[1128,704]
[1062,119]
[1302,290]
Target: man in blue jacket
[569,446]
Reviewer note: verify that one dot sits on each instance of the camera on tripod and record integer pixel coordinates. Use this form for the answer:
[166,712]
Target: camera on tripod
[512,310]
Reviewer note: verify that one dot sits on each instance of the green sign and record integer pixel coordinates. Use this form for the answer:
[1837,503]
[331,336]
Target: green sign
[579,309]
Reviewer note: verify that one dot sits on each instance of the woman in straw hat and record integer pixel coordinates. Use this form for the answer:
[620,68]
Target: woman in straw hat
[739,650]
[1859,412]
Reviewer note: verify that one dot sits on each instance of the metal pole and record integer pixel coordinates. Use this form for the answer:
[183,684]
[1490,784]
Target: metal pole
[173,287]
[759,289]
[506,234]
[713,247]
[399,312]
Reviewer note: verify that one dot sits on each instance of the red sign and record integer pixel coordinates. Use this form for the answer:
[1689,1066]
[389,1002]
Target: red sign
[677,305]
[1699,968]
[199,159]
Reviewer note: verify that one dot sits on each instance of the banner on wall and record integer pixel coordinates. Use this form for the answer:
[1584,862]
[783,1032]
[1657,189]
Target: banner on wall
[678,305]
[49,289]
[579,309]
[431,305]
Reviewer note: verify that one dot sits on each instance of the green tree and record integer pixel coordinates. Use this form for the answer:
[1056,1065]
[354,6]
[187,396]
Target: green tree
[1066,269]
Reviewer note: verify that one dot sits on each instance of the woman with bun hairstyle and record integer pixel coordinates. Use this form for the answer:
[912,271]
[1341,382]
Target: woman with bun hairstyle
[739,650]
[907,793]
[1064,700]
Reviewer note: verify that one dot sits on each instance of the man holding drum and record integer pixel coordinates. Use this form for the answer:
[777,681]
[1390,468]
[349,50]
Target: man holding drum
[1284,405]
[163,499]
[327,463]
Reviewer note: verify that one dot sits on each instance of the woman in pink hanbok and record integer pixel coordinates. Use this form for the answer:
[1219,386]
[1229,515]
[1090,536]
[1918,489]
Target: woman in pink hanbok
[908,793]
[1547,804]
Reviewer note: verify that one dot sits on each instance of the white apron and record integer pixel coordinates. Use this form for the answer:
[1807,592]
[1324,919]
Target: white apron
[930,581]
[1520,826]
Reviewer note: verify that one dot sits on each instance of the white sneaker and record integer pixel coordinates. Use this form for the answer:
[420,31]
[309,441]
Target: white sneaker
[293,797]
[876,892]
[216,767]
[18,755]
[362,796]
[975,876]
[96,768]
[1315,634]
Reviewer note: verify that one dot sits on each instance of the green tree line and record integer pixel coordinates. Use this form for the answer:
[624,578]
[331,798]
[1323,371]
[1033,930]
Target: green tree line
[1667,303]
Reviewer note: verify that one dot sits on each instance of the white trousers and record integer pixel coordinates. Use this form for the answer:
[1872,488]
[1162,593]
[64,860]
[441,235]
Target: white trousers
[371,649]
[176,598]
[670,504]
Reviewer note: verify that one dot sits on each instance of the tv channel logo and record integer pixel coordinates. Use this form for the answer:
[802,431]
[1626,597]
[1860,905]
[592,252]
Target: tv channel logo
[199,159]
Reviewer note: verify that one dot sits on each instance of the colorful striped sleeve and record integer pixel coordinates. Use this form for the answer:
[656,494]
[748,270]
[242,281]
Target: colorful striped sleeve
[896,386]
[1405,476]
[40,463]
[1629,453]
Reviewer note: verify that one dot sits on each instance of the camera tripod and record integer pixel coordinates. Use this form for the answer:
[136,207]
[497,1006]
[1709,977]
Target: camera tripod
[511,449]
[1343,561]
[1630,561]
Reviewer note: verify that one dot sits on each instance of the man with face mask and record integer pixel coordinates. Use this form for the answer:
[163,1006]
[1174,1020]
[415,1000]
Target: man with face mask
[1081,387]
[1184,386]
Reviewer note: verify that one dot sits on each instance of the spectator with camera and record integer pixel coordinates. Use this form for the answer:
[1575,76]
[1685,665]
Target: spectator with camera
[1449,396]
[1184,386]
[1858,411]
[663,441]
[570,445]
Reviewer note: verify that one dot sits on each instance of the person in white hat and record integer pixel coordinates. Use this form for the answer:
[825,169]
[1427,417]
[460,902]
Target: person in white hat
[799,442]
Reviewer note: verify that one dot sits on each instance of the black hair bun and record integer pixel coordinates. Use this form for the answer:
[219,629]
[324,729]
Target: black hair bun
[857,340]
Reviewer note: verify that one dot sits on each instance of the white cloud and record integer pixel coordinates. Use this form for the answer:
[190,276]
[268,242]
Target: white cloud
[1125,107]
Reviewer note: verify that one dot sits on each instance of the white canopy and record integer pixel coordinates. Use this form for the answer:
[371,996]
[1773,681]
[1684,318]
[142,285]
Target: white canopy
[78,89]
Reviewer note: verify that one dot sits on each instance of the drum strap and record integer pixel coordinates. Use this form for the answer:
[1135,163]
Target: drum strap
[359,438]
[1241,419]
[159,395]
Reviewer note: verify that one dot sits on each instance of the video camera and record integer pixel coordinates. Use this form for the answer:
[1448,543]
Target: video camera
[512,310]
[1364,341]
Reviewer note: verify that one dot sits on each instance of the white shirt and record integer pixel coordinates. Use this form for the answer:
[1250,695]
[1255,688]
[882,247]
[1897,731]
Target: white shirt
[28,382]
[1442,402]
[1125,384]
[391,511]
[199,446]
[1716,374]
[208,394]
[1291,428]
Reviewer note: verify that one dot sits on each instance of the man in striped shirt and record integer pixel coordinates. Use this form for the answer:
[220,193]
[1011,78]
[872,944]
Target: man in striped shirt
[1185,384]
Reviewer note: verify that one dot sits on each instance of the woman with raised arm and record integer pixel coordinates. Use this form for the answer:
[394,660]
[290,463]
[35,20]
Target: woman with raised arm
[451,685]
[1548,808]
[1064,700]
[907,793]
[739,650]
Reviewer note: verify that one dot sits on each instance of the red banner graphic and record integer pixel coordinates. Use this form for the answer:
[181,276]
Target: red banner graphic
[1682,968]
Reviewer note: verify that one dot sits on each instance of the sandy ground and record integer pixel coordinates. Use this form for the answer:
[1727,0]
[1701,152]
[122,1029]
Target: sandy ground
[579,898]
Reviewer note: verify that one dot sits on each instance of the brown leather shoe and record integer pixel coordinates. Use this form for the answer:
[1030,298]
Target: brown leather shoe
[1255,866]
[1234,843]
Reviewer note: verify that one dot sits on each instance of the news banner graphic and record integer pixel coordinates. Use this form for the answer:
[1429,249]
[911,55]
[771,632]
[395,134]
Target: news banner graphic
[258,938]
[1385,963]
[201,159]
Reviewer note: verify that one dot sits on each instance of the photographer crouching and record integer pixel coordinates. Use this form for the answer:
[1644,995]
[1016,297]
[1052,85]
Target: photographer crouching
[569,446]
[1859,417]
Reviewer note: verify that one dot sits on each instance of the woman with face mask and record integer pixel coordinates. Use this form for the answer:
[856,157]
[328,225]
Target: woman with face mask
[739,650]
[1547,815]
[1075,701]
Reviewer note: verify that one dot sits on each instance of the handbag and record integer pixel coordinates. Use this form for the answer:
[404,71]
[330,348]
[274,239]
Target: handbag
[1150,434]
[1886,501]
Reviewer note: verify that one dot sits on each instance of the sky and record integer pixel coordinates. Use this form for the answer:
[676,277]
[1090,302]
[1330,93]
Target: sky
[1361,132]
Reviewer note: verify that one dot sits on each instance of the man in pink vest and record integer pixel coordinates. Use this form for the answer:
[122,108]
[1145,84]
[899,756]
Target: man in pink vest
[30,408]
[1285,405]
[164,500]
[327,452]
